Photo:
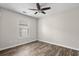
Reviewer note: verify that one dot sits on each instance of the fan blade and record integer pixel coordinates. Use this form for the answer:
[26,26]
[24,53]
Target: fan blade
[33,9]
[38,6]
[43,12]
[46,8]
[35,12]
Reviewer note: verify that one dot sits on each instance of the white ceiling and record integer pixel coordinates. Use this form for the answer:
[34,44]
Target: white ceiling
[55,7]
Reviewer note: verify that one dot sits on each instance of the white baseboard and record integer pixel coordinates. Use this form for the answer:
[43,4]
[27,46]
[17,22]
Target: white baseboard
[60,45]
[39,40]
[15,45]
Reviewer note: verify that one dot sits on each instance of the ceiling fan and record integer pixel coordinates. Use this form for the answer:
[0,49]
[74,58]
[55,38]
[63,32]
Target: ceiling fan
[39,9]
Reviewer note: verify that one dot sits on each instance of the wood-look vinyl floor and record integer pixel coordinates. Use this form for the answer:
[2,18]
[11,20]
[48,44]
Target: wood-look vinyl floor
[38,48]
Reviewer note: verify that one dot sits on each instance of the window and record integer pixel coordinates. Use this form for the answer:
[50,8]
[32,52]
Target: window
[23,31]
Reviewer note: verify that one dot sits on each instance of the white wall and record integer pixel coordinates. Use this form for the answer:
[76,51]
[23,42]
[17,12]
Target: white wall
[61,28]
[9,36]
